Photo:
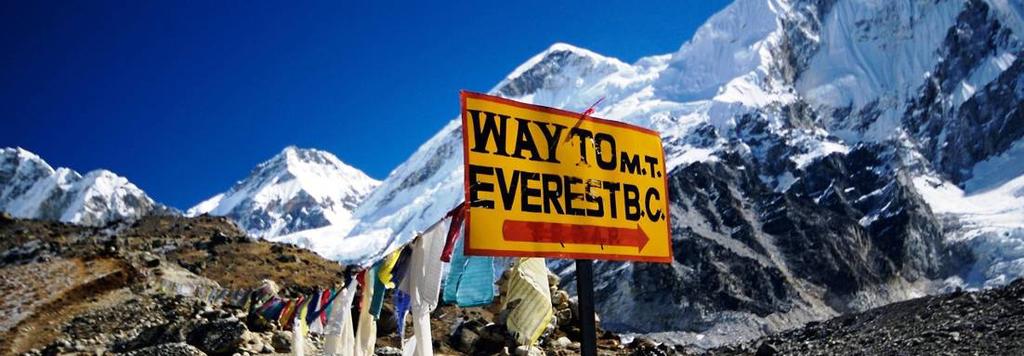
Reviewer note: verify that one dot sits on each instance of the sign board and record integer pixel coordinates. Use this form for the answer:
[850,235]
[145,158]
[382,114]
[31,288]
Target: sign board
[543,182]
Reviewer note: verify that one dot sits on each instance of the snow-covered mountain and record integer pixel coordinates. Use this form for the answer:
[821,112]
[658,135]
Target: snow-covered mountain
[31,188]
[825,156]
[298,189]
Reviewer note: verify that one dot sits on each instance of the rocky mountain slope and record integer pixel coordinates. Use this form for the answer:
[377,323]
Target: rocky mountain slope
[31,188]
[826,156]
[130,288]
[72,288]
[984,323]
[298,189]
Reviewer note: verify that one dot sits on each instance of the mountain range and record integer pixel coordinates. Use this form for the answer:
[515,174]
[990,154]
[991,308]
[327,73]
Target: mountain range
[30,188]
[825,156]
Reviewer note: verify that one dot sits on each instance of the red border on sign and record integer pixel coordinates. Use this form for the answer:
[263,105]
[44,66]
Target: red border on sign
[463,94]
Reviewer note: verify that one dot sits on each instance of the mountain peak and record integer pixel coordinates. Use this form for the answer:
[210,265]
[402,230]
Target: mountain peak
[297,189]
[12,154]
[561,53]
[293,153]
[296,159]
[562,46]
[17,152]
[31,188]
[560,66]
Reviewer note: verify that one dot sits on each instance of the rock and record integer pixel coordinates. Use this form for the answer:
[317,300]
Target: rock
[528,351]
[560,299]
[150,261]
[258,323]
[282,341]
[252,342]
[216,314]
[218,337]
[219,238]
[465,340]
[766,349]
[573,331]
[492,338]
[388,351]
[553,279]
[563,317]
[171,349]
[63,344]
[562,342]
[643,345]
[161,334]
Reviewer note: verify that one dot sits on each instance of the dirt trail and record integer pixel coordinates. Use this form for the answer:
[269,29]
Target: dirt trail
[82,285]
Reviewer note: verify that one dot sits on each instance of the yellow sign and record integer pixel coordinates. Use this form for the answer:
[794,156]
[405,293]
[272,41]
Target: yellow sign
[543,182]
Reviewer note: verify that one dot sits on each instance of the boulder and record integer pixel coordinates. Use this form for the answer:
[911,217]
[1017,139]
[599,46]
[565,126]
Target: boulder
[562,342]
[219,238]
[216,314]
[465,340]
[766,349]
[282,341]
[218,337]
[528,351]
[387,351]
[493,337]
[644,346]
[150,260]
[168,333]
[170,349]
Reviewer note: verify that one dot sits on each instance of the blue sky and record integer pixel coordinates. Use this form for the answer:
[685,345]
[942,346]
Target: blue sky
[185,98]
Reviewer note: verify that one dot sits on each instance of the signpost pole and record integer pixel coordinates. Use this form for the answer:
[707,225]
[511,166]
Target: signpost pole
[585,291]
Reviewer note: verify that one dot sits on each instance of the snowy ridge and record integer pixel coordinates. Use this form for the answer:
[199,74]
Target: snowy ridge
[31,188]
[729,46]
[298,189]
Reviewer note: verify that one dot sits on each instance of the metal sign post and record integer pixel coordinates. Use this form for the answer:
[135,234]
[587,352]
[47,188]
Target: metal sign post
[585,304]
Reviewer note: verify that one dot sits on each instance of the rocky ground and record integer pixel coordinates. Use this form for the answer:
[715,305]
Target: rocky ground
[83,290]
[73,289]
[988,322]
[80,290]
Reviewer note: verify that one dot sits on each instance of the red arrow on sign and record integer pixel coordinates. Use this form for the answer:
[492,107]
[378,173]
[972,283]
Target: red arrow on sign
[530,231]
